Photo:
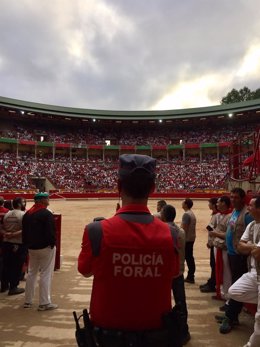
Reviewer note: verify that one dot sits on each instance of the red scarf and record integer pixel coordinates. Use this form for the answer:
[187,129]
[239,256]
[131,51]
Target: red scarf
[219,272]
[219,266]
[227,211]
[35,208]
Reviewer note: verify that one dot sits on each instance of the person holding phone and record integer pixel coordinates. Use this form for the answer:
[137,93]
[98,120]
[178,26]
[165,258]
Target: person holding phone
[210,285]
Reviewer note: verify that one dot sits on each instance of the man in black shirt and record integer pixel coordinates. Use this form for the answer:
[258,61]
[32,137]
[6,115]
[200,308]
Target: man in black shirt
[39,235]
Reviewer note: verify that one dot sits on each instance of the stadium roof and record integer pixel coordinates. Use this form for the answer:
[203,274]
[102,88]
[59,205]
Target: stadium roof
[33,107]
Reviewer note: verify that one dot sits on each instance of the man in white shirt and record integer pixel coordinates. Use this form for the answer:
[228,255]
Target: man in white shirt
[14,252]
[247,287]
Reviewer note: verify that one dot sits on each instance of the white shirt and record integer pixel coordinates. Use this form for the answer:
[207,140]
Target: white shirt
[12,222]
[245,237]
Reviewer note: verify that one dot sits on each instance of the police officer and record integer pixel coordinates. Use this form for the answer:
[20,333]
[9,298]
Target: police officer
[133,262]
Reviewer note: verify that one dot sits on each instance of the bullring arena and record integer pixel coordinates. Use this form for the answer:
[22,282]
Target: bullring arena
[28,328]
[73,154]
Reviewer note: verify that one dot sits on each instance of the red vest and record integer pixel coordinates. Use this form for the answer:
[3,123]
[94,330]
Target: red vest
[133,273]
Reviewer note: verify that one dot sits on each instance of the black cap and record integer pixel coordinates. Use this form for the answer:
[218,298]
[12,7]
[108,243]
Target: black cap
[133,163]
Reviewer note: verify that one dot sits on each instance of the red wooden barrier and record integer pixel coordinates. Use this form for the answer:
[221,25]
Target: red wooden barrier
[57,218]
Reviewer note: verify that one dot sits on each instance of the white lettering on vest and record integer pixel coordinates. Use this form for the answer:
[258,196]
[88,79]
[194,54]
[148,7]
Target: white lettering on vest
[159,260]
[126,259]
[128,271]
[138,271]
[147,259]
[116,257]
[137,265]
[117,270]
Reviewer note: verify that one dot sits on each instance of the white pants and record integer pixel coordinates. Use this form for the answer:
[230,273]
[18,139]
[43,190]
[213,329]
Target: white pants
[247,289]
[40,260]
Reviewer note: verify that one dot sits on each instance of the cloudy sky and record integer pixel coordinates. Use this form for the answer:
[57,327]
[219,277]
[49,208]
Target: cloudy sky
[128,54]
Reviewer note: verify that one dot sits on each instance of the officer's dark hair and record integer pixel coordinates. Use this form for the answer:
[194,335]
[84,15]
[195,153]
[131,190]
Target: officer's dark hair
[257,201]
[239,191]
[2,201]
[138,185]
[226,200]
[17,202]
[168,213]
[188,202]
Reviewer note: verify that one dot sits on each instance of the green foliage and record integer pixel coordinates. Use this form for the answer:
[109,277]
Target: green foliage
[243,94]
[257,94]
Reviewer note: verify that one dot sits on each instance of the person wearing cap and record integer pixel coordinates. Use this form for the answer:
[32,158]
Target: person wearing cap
[38,233]
[133,259]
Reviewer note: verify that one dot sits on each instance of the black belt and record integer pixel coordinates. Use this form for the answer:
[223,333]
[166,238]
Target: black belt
[119,338]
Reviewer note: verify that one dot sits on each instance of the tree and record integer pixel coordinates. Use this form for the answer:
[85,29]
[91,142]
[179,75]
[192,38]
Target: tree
[257,94]
[243,94]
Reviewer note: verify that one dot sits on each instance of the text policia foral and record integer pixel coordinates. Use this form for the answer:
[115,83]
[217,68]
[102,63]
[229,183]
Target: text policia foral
[137,265]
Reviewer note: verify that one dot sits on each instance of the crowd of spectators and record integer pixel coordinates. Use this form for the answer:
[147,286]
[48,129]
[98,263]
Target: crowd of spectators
[77,170]
[164,135]
[191,176]
[69,176]
[98,175]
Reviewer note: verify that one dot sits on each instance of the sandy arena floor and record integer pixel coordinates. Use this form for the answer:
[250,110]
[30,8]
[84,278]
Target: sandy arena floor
[29,328]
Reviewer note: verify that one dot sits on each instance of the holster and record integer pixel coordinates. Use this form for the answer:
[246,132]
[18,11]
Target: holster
[169,336]
[84,336]
[81,337]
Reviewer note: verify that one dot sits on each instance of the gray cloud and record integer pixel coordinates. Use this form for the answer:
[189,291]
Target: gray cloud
[121,54]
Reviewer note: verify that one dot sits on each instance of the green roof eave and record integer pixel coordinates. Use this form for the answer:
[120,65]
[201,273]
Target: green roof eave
[130,115]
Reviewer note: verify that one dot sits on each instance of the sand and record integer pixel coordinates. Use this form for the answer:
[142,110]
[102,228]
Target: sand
[29,328]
